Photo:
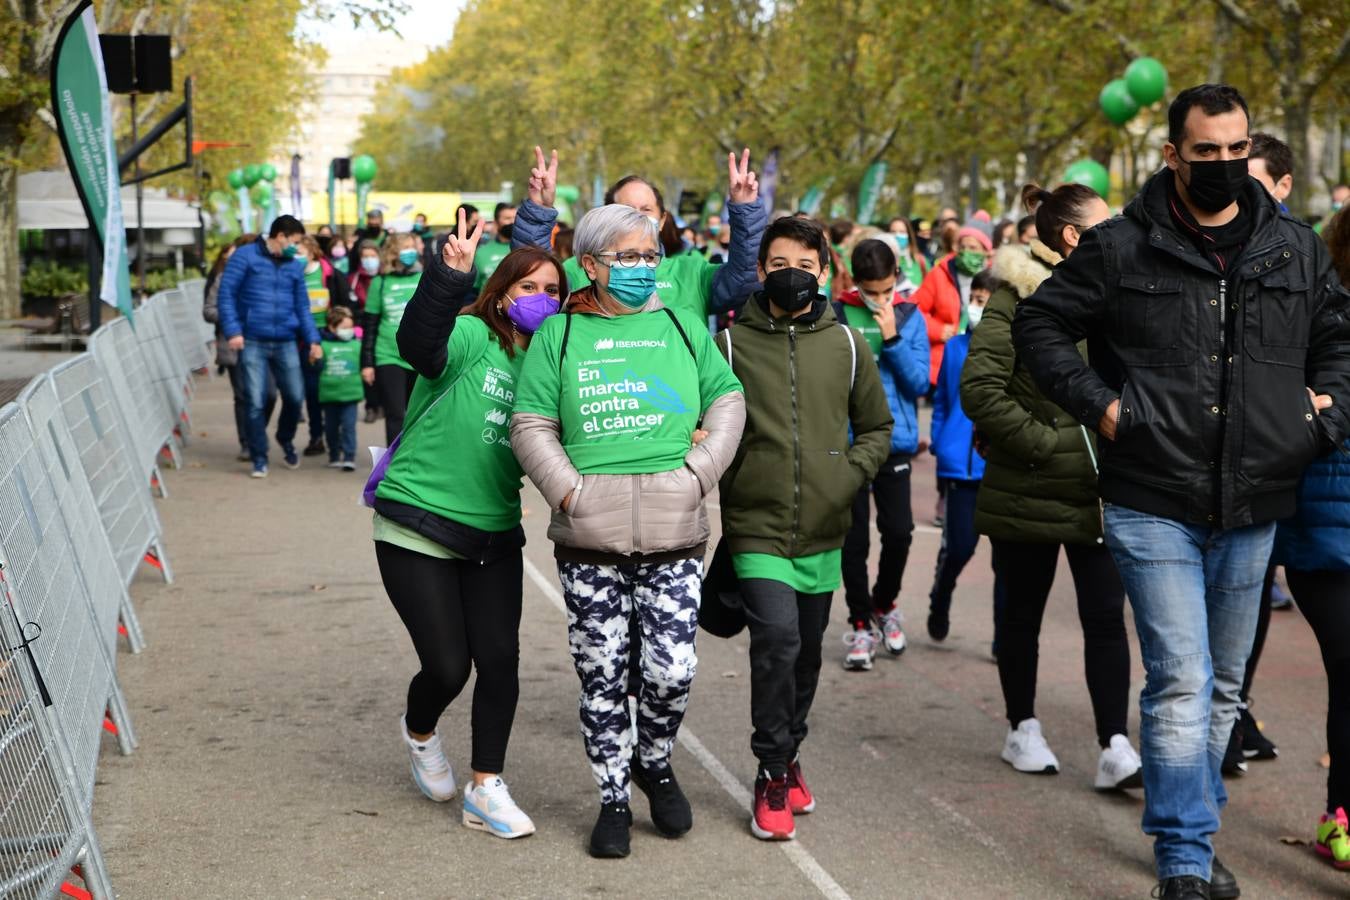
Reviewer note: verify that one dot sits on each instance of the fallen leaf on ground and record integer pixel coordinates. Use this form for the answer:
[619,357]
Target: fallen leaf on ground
[318,587]
[1295,841]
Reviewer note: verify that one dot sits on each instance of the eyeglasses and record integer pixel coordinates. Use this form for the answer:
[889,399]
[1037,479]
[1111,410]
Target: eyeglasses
[628,259]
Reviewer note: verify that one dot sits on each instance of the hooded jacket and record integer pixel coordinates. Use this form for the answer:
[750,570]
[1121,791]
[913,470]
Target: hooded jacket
[264,298]
[789,491]
[1318,535]
[1211,361]
[1039,483]
[939,299]
[902,362]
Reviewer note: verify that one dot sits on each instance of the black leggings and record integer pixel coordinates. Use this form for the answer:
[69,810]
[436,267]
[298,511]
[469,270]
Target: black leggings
[395,387]
[1027,571]
[1324,599]
[459,612]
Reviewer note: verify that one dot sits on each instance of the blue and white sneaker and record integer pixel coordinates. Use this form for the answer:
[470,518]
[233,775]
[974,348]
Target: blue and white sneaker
[430,769]
[290,457]
[260,470]
[489,807]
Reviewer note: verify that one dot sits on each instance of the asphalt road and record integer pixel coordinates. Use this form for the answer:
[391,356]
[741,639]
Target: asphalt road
[270,762]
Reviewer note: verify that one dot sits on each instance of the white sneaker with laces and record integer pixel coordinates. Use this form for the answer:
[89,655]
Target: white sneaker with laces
[1119,767]
[489,807]
[430,769]
[861,643]
[1025,749]
[892,634]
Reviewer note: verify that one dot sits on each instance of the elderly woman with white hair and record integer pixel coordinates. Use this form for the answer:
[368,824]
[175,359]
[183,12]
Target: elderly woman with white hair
[625,419]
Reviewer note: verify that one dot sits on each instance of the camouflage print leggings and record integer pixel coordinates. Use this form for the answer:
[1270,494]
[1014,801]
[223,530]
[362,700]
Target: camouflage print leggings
[599,602]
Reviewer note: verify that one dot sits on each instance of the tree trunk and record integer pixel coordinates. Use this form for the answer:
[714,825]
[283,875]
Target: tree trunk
[1297,119]
[10,300]
[952,170]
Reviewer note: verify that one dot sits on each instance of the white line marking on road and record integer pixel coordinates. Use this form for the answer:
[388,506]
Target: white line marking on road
[800,856]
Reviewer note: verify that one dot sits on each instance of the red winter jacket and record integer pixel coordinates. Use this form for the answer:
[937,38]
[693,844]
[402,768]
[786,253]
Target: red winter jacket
[939,299]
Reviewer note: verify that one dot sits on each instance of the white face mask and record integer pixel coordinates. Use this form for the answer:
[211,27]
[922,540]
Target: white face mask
[345,334]
[974,314]
[370,265]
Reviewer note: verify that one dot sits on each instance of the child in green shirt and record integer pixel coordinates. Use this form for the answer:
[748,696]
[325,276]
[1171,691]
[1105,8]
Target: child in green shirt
[340,387]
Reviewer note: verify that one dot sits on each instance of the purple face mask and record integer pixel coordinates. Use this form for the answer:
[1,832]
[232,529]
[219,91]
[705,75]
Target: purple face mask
[530,311]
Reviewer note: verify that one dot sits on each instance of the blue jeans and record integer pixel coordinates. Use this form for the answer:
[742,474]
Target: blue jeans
[339,425]
[282,359]
[1196,593]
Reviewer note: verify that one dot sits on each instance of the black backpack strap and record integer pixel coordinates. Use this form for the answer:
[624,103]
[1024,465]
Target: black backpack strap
[680,328]
[562,348]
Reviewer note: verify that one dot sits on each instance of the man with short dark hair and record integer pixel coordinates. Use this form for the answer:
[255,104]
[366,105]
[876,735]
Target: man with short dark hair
[1219,340]
[374,230]
[1271,163]
[264,309]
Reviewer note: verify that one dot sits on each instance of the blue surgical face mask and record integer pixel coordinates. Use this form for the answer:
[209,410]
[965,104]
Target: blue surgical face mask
[901,241]
[370,265]
[407,257]
[632,287]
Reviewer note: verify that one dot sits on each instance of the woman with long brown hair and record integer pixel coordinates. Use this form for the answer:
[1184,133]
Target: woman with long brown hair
[447,512]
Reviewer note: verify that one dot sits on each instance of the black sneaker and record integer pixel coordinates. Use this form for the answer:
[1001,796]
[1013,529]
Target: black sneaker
[670,808]
[371,415]
[289,456]
[609,837]
[1183,887]
[1255,745]
[938,626]
[316,448]
[1222,883]
[1234,763]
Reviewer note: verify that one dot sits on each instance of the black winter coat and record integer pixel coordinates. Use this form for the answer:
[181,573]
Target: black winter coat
[1210,365]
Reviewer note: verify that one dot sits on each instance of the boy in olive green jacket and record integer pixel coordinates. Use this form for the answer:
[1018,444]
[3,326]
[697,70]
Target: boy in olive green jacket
[809,381]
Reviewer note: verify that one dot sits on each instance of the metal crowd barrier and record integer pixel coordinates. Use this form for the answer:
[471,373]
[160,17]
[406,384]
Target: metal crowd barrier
[79,457]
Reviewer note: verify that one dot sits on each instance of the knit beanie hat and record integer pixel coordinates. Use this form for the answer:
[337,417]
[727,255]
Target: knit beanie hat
[979,229]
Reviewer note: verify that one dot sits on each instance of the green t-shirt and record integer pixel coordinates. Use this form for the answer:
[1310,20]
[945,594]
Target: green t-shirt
[340,377]
[684,282]
[814,574]
[911,269]
[318,297]
[486,259]
[388,297]
[860,317]
[457,461]
[627,393]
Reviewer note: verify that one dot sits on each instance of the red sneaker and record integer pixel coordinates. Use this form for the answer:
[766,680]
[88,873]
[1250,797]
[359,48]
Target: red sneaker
[772,820]
[800,800]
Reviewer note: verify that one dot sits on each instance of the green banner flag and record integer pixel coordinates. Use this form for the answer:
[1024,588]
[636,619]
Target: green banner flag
[85,126]
[870,191]
[815,196]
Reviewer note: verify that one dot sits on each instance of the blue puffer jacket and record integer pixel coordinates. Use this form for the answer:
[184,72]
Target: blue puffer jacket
[1318,536]
[904,375]
[263,297]
[953,433]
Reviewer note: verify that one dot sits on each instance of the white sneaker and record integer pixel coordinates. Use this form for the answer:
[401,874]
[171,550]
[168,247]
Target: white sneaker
[430,769]
[335,464]
[489,807]
[1118,768]
[1026,750]
[892,635]
[861,643]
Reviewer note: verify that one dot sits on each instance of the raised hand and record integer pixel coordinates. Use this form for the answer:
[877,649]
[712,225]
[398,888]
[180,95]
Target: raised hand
[744,184]
[543,187]
[459,248]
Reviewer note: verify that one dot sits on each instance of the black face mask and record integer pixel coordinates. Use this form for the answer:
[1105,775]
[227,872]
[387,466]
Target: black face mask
[504,231]
[1216,183]
[791,290]
[325,242]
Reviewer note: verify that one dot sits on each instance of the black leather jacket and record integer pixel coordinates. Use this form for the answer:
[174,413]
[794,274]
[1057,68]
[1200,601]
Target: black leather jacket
[1210,365]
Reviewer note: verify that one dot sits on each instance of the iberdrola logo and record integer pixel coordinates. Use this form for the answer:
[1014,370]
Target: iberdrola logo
[605,344]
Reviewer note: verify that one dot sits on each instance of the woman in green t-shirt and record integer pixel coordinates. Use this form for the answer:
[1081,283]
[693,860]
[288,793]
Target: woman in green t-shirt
[388,296]
[447,513]
[625,419]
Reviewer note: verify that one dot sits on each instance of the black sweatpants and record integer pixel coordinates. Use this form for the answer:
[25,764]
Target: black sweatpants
[786,628]
[1324,600]
[395,387]
[1028,572]
[460,613]
[895,521]
[1262,628]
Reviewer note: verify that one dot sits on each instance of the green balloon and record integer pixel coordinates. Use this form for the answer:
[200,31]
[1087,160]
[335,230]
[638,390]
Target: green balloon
[1091,173]
[269,172]
[262,193]
[1147,80]
[252,174]
[569,193]
[1117,103]
[235,179]
[364,169]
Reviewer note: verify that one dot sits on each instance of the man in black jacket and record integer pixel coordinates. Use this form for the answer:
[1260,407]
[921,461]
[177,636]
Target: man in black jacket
[1219,340]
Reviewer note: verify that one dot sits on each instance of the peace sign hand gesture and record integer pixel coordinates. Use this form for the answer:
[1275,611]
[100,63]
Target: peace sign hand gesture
[459,250]
[543,186]
[744,184]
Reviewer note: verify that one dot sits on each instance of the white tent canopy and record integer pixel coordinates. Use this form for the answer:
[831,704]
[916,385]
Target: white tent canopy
[47,201]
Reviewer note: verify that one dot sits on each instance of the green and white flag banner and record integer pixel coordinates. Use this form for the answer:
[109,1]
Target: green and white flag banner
[84,120]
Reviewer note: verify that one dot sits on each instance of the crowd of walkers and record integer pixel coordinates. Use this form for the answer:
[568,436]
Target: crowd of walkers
[1162,397]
